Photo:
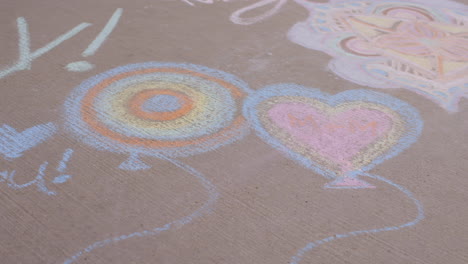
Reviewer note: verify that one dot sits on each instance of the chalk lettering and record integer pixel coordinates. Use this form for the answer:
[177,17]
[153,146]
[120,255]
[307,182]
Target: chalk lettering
[26,57]
[39,180]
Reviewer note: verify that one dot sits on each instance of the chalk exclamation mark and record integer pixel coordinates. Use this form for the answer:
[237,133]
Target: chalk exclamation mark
[62,167]
[81,66]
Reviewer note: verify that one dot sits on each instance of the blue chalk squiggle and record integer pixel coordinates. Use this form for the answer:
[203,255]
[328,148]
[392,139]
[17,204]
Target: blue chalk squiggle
[213,196]
[300,254]
[40,180]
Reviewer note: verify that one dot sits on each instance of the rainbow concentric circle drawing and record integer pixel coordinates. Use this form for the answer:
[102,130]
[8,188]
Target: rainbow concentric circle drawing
[156,109]
[340,136]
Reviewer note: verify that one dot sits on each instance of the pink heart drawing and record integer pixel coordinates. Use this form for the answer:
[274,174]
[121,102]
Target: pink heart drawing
[333,134]
[337,136]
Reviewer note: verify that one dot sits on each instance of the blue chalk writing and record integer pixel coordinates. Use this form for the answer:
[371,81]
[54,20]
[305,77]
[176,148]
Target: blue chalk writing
[61,179]
[65,159]
[13,143]
[39,180]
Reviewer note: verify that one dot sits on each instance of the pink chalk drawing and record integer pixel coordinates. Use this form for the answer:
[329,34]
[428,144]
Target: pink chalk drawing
[333,140]
[340,137]
[418,45]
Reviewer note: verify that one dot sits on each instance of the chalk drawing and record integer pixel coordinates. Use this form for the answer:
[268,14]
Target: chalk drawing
[239,17]
[65,159]
[191,2]
[80,66]
[163,110]
[339,137]
[154,109]
[420,216]
[205,208]
[419,45]
[14,143]
[26,57]
[39,180]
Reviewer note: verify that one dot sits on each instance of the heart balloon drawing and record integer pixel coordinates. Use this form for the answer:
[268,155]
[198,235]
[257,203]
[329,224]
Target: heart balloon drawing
[338,136]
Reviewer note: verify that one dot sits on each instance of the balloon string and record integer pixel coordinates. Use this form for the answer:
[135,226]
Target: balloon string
[420,216]
[206,207]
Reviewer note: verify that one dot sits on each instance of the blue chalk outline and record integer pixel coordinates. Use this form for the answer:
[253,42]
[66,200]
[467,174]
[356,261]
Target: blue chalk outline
[409,114]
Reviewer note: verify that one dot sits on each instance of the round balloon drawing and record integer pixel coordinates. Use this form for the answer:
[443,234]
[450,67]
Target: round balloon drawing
[419,45]
[163,110]
[340,136]
[157,109]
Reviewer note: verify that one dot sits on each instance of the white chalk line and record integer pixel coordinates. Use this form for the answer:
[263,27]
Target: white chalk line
[237,19]
[105,32]
[25,56]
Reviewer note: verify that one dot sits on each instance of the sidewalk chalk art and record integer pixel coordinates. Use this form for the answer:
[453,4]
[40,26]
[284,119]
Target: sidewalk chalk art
[205,208]
[163,110]
[157,109]
[26,56]
[14,143]
[41,180]
[242,16]
[338,137]
[419,45]
[296,259]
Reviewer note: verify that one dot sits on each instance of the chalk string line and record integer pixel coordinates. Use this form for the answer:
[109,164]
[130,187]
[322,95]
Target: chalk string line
[206,207]
[420,216]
